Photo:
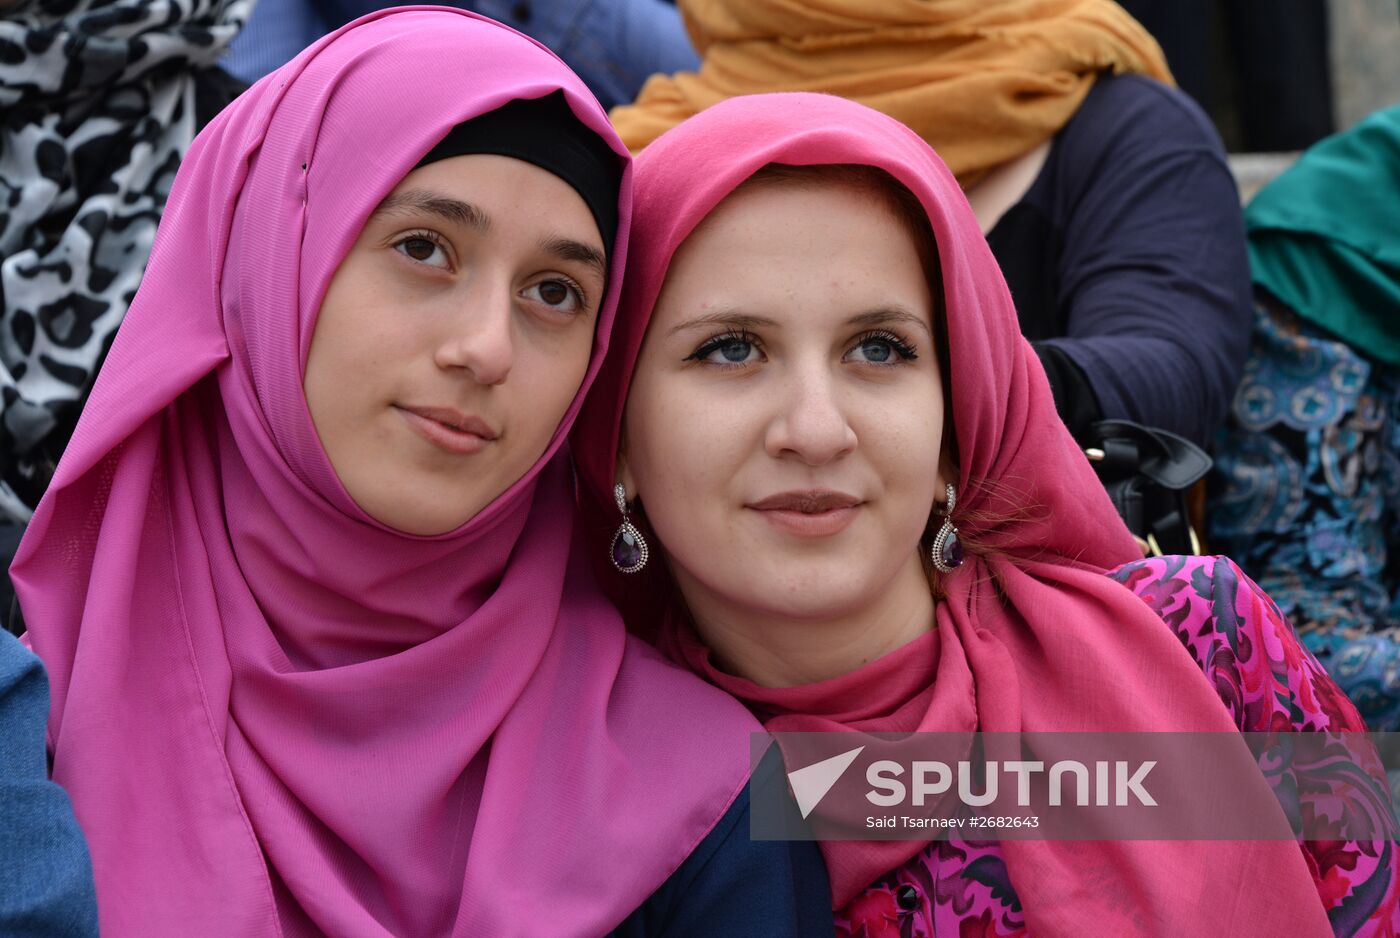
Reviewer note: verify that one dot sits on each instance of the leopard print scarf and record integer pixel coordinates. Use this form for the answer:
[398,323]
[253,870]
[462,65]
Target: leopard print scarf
[97,105]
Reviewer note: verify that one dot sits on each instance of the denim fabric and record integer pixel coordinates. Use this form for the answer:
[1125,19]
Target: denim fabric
[274,34]
[46,888]
[613,45]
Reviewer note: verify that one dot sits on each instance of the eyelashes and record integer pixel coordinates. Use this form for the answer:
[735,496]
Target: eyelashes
[737,347]
[726,342]
[575,293]
[883,338]
[424,245]
[432,239]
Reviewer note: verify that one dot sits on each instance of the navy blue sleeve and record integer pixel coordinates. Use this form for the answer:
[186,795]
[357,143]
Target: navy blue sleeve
[741,888]
[46,888]
[1153,275]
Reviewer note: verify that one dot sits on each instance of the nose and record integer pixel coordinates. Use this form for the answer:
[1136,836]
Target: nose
[479,338]
[811,423]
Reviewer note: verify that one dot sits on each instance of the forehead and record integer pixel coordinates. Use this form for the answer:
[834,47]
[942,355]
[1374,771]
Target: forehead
[787,212]
[776,237]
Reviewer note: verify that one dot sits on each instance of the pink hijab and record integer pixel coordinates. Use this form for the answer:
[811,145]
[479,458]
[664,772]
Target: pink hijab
[1031,636]
[275,715]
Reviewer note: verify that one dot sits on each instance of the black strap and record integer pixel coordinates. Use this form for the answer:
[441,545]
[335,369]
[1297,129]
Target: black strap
[1147,472]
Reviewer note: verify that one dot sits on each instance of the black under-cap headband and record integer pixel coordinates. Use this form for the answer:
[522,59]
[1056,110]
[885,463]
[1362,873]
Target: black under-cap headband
[545,132]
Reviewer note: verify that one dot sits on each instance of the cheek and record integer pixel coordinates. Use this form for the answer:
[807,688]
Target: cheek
[545,378]
[682,455]
[904,442]
[357,334]
[354,368]
[326,367]
[346,371]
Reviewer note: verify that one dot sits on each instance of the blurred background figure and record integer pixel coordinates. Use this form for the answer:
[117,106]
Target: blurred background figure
[1260,68]
[1307,490]
[98,101]
[1104,191]
[613,45]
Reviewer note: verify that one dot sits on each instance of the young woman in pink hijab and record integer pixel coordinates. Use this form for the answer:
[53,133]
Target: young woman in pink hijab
[326,656]
[862,513]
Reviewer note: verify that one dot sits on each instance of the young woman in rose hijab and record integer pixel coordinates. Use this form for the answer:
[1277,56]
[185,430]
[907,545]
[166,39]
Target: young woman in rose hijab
[1104,191]
[863,514]
[326,657]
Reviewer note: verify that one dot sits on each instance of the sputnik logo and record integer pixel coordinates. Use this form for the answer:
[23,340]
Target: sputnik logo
[810,784]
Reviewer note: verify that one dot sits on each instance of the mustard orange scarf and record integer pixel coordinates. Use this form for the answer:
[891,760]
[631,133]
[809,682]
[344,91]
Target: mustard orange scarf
[983,81]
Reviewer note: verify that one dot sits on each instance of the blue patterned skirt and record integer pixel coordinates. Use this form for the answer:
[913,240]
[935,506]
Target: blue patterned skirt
[1305,496]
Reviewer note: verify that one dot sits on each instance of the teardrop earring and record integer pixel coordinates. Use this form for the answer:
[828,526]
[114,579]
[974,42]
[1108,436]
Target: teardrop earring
[947,551]
[629,548]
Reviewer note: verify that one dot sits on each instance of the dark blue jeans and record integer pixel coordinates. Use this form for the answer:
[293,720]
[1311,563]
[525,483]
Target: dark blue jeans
[613,45]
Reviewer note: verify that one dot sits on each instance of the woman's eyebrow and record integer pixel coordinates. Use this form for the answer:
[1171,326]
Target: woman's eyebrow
[890,315]
[570,250]
[725,317]
[435,203]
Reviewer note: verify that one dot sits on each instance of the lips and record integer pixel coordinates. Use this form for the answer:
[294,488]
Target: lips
[810,502]
[449,429]
[810,513]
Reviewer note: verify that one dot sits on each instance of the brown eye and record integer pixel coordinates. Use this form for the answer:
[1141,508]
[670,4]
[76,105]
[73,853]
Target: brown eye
[558,295]
[421,249]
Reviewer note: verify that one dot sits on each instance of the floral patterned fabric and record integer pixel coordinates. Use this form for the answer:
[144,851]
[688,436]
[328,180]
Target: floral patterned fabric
[961,889]
[1306,496]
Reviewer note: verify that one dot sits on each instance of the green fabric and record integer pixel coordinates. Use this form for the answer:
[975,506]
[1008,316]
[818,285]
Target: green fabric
[1324,237]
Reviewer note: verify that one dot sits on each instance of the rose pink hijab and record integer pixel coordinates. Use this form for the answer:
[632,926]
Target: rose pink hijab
[1030,637]
[276,716]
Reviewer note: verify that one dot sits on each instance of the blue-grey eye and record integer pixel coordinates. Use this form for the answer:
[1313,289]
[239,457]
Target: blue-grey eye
[730,348]
[735,350]
[881,348]
[877,350]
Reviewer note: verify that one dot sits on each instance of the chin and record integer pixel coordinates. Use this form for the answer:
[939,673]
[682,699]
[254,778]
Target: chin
[816,608]
[820,592]
[428,519]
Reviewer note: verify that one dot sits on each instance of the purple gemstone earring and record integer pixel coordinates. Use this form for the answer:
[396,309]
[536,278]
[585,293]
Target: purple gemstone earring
[629,548]
[947,551]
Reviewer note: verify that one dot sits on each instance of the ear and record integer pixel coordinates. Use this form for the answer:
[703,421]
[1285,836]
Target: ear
[947,471]
[622,474]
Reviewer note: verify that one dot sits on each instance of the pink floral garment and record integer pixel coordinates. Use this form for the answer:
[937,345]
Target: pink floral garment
[960,888]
